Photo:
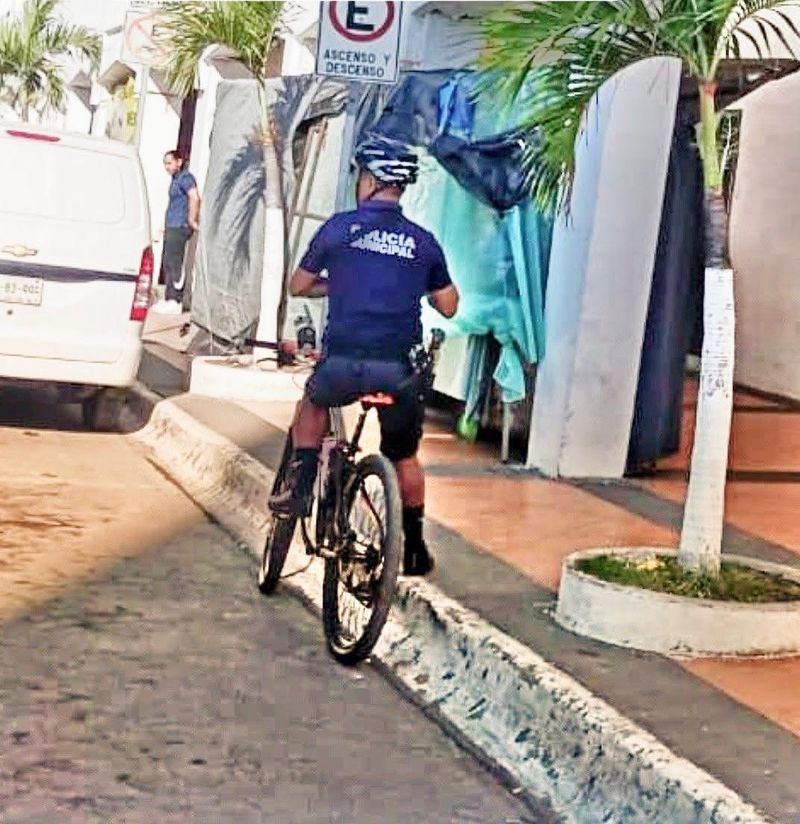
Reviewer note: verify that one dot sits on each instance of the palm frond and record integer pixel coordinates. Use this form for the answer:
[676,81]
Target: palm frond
[30,45]
[561,54]
[760,23]
[35,16]
[245,27]
[53,91]
[550,59]
[60,38]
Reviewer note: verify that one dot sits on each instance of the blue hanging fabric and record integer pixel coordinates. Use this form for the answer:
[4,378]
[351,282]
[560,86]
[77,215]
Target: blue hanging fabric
[456,107]
[479,145]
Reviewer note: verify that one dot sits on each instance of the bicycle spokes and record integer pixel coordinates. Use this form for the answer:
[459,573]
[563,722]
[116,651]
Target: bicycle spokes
[361,556]
[368,512]
[353,615]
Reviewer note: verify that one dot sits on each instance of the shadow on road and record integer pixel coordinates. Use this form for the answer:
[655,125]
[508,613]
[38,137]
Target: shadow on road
[38,408]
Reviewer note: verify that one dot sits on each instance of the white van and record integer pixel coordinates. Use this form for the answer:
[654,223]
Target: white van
[76,264]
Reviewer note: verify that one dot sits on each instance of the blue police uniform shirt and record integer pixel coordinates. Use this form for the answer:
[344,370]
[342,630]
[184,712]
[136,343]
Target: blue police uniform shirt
[178,206]
[379,266]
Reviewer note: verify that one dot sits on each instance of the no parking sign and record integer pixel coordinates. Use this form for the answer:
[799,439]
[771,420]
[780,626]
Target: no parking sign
[359,40]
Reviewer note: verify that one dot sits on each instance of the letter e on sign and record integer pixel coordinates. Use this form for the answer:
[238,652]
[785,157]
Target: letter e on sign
[365,36]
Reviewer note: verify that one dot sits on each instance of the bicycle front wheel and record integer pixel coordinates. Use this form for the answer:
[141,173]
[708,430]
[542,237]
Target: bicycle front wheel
[280,534]
[361,580]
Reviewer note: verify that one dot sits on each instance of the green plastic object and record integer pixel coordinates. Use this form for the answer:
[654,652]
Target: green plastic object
[467,429]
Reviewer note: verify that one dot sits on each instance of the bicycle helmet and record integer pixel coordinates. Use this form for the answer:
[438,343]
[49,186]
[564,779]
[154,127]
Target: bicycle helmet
[389,161]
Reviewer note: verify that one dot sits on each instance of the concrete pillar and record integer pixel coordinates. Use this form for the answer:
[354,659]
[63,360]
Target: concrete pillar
[765,244]
[600,275]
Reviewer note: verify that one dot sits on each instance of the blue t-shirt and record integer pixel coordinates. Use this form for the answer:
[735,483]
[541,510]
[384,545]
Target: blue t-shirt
[379,267]
[178,206]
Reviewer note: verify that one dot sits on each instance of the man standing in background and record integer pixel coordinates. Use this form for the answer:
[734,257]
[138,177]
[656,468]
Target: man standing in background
[182,219]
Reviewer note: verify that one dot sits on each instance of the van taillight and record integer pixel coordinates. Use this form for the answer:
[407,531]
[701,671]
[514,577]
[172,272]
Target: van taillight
[144,282]
[47,138]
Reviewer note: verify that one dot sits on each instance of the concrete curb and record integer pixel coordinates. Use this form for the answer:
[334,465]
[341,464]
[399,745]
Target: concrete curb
[137,408]
[520,714]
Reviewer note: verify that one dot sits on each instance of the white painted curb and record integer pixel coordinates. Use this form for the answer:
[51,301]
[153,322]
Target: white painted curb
[671,625]
[523,716]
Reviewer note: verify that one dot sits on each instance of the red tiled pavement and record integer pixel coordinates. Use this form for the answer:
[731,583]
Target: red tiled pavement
[533,524]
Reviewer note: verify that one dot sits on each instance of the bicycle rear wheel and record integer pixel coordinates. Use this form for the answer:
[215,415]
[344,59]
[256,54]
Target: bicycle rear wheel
[280,534]
[360,581]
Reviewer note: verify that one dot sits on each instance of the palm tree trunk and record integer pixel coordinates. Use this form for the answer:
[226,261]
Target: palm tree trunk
[701,536]
[274,242]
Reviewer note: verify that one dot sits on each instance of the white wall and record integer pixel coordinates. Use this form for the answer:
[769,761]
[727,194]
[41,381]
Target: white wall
[297,59]
[78,117]
[441,35]
[159,134]
[97,15]
[600,274]
[765,240]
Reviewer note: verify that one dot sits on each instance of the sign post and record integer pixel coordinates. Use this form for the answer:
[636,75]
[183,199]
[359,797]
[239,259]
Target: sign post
[140,46]
[359,40]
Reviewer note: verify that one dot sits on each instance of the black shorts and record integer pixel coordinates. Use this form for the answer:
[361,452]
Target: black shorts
[340,381]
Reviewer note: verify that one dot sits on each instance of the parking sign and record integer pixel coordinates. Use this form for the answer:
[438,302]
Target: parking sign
[140,42]
[359,40]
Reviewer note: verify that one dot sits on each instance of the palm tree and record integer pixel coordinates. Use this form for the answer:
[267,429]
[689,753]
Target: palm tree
[30,46]
[246,28]
[560,54]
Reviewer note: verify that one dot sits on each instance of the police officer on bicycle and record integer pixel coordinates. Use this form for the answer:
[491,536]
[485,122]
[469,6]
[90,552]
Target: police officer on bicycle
[378,266]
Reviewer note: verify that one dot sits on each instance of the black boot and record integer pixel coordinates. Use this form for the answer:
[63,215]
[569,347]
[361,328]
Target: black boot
[298,496]
[417,559]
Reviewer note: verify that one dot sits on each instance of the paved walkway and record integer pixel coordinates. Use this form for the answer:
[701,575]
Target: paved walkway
[532,524]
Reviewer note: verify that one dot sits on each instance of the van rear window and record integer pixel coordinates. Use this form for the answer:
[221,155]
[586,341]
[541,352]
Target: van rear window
[60,182]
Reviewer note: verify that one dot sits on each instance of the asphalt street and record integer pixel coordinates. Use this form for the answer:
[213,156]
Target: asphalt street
[159,686]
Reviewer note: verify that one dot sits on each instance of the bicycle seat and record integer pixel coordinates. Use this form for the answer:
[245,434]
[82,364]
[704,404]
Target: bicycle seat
[376,399]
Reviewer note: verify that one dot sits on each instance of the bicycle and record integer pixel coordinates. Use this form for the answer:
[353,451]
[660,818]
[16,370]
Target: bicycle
[358,528]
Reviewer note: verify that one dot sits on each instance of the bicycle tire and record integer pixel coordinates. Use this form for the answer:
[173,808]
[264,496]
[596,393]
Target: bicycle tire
[352,650]
[280,534]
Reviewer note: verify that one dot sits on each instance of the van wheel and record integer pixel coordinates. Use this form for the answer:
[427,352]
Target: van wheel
[102,411]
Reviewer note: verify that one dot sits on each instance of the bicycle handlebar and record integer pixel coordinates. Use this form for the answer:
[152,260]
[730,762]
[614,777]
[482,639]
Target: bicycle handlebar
[436,341]
[261,344]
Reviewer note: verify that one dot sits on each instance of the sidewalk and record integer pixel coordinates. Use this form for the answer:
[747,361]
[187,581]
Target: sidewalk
[500,536]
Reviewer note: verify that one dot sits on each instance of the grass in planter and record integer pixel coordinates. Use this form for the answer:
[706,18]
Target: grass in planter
[663,574]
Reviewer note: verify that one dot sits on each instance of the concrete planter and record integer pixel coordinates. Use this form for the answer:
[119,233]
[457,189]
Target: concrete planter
[675,625]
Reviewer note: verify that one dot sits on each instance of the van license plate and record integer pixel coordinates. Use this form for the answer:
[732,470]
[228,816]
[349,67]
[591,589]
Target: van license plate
[14,289]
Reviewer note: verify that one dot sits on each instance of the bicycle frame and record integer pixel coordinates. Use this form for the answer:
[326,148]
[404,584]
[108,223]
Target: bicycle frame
[339,463]
[336,464]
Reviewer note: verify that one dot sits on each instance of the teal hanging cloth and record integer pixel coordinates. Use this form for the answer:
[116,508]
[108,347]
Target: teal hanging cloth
[498,260]
[499,264]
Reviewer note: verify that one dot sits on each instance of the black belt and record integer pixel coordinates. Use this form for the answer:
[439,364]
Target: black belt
[381,353]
